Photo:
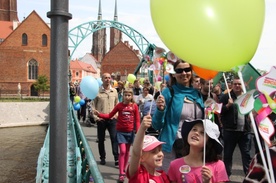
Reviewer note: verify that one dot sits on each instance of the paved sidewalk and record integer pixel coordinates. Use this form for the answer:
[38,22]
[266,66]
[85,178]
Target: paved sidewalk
[23,113]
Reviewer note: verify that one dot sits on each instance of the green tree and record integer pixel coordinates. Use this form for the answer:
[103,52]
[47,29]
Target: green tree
[41,85]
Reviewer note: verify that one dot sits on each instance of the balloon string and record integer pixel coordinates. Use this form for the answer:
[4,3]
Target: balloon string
[204,139]
[269,162]
[151,101]
[152,95]
[225,81]
[260,147]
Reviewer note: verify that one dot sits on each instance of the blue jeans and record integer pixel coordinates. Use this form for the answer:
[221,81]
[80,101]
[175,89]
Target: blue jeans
[231,139]
[102,126]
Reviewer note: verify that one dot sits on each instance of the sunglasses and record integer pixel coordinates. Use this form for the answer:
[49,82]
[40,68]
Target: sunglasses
[180,70]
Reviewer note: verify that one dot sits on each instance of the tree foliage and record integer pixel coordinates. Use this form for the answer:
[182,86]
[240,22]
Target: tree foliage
[41,85]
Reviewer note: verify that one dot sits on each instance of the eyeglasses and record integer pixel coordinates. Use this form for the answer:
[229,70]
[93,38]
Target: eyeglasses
[237,84]
[180,70]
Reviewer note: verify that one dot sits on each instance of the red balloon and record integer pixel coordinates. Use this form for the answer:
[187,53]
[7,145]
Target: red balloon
[205,73]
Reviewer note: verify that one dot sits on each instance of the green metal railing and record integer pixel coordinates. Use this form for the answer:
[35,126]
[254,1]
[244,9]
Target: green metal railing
[81,164]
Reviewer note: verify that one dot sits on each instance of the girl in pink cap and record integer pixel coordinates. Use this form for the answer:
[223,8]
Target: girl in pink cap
[146,157]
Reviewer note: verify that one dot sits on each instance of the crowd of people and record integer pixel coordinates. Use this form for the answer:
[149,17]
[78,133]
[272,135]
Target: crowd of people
[186,146]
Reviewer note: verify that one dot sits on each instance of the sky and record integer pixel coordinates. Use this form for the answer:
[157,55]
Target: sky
[136,14]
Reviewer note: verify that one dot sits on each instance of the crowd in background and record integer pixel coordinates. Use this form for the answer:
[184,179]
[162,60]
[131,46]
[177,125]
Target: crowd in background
[160,106]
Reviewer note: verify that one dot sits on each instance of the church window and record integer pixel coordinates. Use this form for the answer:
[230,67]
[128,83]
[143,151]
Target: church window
[24,39]
[44,40]
[32,69]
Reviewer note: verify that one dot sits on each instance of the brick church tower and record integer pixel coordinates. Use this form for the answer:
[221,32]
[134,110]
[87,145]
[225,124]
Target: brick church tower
[115,34]
[99,40]
[8,10]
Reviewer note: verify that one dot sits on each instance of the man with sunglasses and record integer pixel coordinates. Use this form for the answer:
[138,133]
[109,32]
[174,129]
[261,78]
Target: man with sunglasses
[236,129]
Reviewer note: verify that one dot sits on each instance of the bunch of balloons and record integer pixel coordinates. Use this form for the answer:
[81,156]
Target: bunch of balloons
[78,102]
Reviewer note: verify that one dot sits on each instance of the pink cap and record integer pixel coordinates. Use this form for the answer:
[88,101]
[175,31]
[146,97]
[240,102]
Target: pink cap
[151,142]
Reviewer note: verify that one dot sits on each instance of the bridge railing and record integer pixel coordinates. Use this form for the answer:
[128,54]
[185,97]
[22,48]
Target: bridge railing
[89,167]
[81,164]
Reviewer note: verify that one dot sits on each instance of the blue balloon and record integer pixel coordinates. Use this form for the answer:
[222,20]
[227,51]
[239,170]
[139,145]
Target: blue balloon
[82,102]
[167,77]
[89,87]
[100,82]
[76,106]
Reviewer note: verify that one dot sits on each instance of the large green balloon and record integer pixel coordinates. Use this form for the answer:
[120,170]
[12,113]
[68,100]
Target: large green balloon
[211,34]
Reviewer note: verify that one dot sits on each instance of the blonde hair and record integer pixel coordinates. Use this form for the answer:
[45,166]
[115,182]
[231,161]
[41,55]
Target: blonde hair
[129,90]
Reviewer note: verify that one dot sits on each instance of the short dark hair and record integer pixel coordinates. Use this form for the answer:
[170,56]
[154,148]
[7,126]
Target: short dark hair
[146,88]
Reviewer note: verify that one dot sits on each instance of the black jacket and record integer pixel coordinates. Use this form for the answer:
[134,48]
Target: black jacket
[229,116]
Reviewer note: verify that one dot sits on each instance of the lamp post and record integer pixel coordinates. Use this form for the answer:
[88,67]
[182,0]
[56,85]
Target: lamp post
[59,85]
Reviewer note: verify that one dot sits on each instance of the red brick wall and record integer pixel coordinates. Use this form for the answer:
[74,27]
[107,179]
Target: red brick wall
[14,57]
[120,59]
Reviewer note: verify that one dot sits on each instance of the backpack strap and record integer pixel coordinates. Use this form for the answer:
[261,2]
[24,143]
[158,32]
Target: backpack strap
[172,94]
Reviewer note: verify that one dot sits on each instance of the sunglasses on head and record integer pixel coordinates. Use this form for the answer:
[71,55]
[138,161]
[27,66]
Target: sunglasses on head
[180,70]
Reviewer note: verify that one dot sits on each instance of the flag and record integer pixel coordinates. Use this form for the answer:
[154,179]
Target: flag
[250,75]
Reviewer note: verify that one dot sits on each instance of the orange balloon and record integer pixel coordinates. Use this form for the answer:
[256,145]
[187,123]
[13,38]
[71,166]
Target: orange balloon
[115,83]
[205,73]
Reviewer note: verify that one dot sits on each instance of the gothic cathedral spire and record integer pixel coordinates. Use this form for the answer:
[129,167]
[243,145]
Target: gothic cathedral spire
[115,12]
[100,11]
[99,39]
[8,10]
[115,34]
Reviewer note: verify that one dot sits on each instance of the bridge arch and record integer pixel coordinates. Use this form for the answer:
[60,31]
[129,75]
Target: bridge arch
[79,33]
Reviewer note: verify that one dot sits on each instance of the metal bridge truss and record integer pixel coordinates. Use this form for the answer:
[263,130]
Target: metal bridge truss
[79,33]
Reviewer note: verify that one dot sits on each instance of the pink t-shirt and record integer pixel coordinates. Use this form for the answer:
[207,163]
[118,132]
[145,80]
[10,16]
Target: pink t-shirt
[180,172]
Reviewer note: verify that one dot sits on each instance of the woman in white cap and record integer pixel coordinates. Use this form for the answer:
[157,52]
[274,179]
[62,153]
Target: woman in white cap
[146,157]
[191,167]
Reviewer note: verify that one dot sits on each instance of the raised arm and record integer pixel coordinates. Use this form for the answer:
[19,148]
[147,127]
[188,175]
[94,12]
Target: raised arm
[138,145]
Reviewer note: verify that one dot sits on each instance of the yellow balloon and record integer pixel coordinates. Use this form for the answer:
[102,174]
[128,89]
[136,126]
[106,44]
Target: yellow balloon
[77,99]
[131,78]
[141,80]
[211,34]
